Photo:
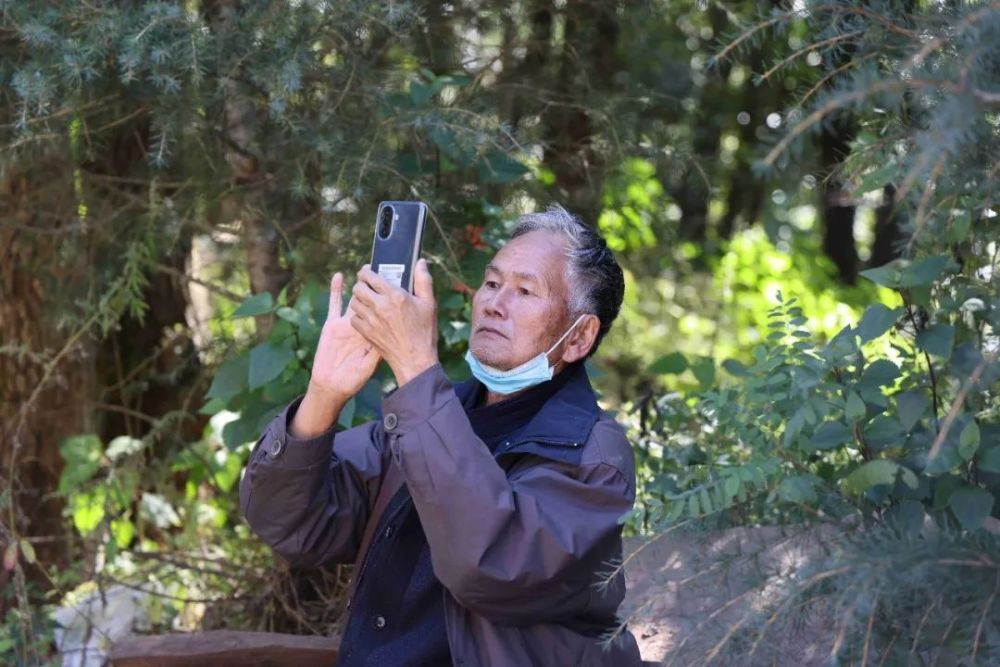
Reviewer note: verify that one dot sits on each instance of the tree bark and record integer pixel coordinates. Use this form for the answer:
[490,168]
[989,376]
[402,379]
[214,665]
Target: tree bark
[837,207]
[588,62]
[47,373]
[249,205]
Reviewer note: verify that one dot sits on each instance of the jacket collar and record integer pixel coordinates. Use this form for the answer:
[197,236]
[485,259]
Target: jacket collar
[564,421]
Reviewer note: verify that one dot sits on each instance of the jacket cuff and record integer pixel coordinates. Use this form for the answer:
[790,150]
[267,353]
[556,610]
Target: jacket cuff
[285,450]
[409,406]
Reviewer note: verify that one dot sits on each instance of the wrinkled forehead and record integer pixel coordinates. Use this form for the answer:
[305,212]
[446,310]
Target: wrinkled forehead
[540,256]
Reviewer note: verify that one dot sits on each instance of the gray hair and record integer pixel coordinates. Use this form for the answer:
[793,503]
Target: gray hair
[596,281]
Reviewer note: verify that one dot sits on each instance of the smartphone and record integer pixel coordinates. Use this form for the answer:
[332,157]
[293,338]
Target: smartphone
[399,231]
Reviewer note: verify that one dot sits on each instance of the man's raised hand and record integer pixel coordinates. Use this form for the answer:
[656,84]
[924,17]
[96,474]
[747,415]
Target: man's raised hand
[344,359]
[344,362]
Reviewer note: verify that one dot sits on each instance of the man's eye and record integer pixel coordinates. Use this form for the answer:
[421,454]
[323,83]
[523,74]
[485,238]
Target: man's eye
[525,291]
[492,284]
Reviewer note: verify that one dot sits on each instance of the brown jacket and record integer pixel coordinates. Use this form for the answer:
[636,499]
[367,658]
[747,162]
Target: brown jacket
[519,539]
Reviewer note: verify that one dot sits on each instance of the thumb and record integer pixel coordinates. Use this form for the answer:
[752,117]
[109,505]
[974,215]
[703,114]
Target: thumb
[423,284]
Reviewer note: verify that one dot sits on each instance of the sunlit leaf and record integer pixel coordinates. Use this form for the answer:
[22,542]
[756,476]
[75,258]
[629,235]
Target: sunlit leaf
[87,509]
[878,319]
[879,471]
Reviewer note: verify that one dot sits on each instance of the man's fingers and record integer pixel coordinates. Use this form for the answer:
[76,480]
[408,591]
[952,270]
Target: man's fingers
[423,283]
[336,295]
[359,324]
[378,284]
[364,294]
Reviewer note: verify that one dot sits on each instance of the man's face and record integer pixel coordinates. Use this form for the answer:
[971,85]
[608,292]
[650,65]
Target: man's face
[520,309]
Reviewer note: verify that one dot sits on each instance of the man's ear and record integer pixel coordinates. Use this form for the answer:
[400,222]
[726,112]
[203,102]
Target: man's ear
[582,339]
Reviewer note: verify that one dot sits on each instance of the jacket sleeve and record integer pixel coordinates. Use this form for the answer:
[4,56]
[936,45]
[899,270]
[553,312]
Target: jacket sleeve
[309,499]
[515,550]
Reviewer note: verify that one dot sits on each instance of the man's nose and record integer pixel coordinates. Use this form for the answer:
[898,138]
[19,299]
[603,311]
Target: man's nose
[496,304]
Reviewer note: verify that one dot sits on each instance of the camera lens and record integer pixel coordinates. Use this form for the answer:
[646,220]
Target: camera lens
[385,223]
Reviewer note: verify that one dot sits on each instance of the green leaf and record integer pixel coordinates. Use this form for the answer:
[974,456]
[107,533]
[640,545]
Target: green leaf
[937,340]
[258,304]
[831,434]
[971,506]
[267,361]
[911,406]
[292,315]
[924,271]
[883,431]
[694,509]
[734,367]
[989,460]
[122,530]
[87,509]
[420,93]
[842,345]
[855,407]
[704,371]
[82,454]
[673,363]
[732,485]
[497,167]
[907,516]
[887,275]
[706,502]
[798,489]
[878,177]
[27,550]
[878,319]
[240,431]
[968,441]
[879,373]
[230,379]
[879,471]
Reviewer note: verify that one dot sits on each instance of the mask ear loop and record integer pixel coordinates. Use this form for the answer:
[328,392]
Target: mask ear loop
[563,337]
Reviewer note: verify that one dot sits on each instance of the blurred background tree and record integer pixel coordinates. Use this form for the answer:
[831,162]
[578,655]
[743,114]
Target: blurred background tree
[179,179]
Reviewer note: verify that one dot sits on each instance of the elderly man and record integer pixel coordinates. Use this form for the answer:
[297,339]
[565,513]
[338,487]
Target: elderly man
[481,516]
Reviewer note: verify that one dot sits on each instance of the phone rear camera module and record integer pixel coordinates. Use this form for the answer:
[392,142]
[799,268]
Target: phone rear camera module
[385,222]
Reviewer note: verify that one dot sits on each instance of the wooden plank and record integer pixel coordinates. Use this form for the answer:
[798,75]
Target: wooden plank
[225,648]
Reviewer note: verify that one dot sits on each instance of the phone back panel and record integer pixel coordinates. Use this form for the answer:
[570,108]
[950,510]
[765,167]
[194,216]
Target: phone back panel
[394,257]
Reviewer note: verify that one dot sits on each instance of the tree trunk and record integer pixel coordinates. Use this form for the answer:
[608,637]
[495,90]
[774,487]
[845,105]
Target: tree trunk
[587,62]
[837,206]
[48,373]
[244,154]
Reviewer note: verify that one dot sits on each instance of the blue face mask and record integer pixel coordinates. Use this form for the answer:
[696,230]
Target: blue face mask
[534,371]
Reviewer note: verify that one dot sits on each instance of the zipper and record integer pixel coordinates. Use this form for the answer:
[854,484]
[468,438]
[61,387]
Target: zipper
[509,446]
